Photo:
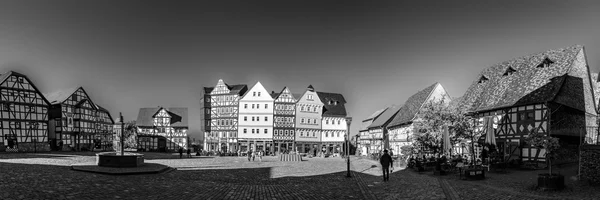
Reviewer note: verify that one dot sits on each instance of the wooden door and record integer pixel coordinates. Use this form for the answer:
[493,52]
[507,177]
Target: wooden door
[162,144]
[513,151]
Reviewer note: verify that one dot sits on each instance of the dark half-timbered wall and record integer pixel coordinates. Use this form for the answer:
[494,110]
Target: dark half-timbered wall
[514,124]
[79,124]
[24,116]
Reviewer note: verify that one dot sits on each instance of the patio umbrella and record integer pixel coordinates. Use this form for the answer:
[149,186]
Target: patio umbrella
[446,137]
[490,137]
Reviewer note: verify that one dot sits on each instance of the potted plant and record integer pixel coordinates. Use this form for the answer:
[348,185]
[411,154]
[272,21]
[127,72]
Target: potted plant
[539,140]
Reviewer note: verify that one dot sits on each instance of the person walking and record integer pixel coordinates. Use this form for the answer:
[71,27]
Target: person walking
[260,154]
[180,152]
[253,155]
[386,162]
[189,153]
[249,154]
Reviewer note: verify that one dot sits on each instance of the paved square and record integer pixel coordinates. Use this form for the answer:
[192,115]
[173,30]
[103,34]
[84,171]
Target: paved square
[48,176]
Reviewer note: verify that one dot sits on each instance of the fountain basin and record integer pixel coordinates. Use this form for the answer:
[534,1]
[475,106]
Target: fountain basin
[112,159]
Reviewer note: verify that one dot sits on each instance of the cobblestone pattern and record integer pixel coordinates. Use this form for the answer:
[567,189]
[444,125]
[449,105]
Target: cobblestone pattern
[47,176]
[403,184]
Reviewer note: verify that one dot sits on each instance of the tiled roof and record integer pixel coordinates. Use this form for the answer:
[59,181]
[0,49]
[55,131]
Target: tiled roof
[60,96]
[412,106]
[179,116]
[367,122]
[335,109]
[528,85]
[375,114]
[386,117]
[233,89]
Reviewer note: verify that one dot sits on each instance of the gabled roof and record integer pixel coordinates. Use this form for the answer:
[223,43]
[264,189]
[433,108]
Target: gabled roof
[367,122]
[255,84]
[375,114]
[412,106]
[179,116]
[233,89]
[106,111]
[337,108]
[386,117]
[60,96]
[5,75]
[528,85]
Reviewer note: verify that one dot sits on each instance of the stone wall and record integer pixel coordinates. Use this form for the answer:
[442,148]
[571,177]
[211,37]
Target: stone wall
[590,163]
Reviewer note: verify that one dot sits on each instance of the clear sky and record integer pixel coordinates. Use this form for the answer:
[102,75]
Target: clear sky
[132,54]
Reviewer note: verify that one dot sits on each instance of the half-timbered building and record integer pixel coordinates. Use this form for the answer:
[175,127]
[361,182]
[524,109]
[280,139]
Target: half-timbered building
[74,120]
[284,120]
[309,109]
[255,120]
[378,130]
[401,128]
[550,92]
[364,139]
[220,106]
[333,122]
[104,129]
[23,115]
[162,129]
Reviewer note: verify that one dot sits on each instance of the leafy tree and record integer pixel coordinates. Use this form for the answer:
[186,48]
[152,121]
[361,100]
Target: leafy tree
[540,140]
[430,122]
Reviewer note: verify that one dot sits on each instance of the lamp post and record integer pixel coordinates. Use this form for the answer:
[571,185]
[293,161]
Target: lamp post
[122,133]
[348,121]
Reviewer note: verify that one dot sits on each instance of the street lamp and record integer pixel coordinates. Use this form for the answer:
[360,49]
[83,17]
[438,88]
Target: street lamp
[348,121]
[122,133]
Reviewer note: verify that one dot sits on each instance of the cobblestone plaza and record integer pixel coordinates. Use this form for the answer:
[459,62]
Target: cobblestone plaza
[48,176]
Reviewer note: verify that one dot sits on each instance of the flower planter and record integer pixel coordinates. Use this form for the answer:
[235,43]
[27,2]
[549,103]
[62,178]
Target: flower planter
[551,182]
[474,174]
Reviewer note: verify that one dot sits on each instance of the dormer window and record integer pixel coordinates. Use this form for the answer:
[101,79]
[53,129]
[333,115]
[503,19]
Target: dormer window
[546,63]
[335,102]
[330,102]
[509,71]
[483,79]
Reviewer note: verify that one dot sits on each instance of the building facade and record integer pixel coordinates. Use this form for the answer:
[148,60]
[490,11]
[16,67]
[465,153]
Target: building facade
[401,128]
[378,131]
[161,129]
[549,92]
[23,115]
[104,129]
[220,106]
[309,110]
[76,122]
[333,123]
[255,120]
[364,139]
[284,121]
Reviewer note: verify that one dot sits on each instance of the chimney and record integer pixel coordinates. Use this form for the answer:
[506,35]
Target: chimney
[272,92]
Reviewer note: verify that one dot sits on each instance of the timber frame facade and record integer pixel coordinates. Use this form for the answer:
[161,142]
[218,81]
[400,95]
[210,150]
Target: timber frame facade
[23,114]
[220,106]
[284,121]
[77,123]
[550,92]
[162,129]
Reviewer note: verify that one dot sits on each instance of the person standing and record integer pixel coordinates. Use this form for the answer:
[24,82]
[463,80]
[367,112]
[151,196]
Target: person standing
[189,153]
[386,162]
[260,154]
[180,152]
